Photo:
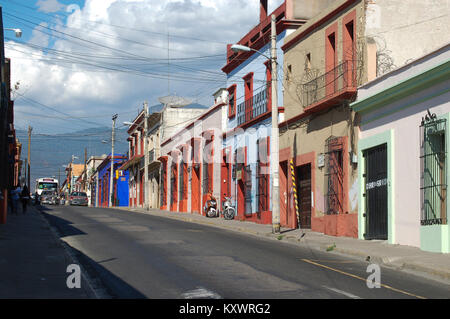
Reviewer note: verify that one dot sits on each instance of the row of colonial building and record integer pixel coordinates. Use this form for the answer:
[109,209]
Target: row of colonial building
[363,122]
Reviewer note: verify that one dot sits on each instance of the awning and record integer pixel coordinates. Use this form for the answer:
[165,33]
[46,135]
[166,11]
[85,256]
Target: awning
[131,162]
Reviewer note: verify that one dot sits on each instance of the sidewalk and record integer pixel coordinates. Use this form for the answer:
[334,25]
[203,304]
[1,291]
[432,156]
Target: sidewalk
[406,258]
[33,262]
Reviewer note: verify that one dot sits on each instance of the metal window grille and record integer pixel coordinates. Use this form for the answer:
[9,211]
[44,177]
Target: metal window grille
[173,181]
[334,176]
[181,180]
[248,189]
[205,178]
[262,179]
[434,168]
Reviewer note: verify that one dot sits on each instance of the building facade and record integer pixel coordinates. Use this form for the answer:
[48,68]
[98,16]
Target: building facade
[247,141]
[347,44]
[402,154]
[147,130]
[120,191]
[191,161]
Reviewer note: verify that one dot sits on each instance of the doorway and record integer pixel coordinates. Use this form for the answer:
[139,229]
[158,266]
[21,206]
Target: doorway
[303,174]
[376,195]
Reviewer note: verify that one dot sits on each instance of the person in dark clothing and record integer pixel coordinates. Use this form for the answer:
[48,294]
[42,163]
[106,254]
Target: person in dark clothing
[15,194]
[25,197]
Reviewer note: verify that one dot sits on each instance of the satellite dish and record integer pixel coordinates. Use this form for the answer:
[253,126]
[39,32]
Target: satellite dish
[175,101]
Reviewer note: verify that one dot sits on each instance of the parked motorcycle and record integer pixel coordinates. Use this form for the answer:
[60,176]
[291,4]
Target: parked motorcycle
[228,210]
[211,207]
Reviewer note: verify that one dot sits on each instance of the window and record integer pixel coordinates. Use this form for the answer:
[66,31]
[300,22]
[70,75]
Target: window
[331,60]
[349,41]
[434,181]
[248,79]
[308,62]
[182,190]
[173,185]
[208,167]
[205,179]
[262,175]
[232,101]
[348,36]
[248,189]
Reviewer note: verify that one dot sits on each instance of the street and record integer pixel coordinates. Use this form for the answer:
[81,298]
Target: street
[137,255]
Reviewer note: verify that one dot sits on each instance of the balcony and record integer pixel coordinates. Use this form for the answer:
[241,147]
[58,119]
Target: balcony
[330,88]
[253,108]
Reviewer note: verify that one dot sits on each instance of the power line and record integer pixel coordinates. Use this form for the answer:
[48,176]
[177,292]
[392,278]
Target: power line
[123,27]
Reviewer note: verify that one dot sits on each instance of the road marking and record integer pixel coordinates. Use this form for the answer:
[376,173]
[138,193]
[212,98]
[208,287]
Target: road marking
[343,292]
[335,261]
[363,279]
[200,293]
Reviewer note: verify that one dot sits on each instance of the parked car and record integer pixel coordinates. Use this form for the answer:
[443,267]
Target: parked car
[49,197]
[78,198]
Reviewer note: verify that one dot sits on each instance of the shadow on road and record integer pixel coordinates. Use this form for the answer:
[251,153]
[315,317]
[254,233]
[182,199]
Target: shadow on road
[98,276]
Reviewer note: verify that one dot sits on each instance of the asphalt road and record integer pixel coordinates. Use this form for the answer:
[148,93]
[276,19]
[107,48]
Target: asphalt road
[136,255]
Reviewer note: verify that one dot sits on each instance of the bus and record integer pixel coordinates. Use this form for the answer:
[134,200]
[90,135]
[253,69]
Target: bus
[46,184]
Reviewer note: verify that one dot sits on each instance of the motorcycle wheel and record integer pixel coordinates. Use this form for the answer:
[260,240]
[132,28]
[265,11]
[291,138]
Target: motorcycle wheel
[211,213]
[228,214]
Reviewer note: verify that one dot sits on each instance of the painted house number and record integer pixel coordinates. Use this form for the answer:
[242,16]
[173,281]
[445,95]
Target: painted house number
[378,183]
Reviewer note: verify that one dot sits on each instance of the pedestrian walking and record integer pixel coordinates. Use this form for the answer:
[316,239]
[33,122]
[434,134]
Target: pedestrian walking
[25,197]
[15,194]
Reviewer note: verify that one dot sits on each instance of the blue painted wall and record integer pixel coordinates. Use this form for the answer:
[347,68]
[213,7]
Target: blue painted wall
[261,129]
[122,182]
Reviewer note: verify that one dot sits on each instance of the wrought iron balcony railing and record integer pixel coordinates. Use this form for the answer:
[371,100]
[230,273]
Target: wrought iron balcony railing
[329,84]
[253,107]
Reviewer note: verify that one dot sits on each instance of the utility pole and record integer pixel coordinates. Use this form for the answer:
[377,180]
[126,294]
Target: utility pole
[59,180]
[274,157]
[85,173]
[28,160]
[146,158]
[111,177]
[24,169]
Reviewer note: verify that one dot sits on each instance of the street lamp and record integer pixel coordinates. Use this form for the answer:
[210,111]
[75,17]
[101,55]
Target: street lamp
[18,32]
[274,156]
[243,48]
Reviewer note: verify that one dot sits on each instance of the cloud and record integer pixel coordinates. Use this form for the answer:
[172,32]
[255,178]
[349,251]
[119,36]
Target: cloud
[50,6]
[112,55]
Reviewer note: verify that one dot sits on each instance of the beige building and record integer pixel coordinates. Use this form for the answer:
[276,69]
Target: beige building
[348,44]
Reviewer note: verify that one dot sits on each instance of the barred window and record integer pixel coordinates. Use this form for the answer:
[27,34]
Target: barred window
[182,180]
[205,178]
[173,184]
[262,177]
[334,175]
[434,168]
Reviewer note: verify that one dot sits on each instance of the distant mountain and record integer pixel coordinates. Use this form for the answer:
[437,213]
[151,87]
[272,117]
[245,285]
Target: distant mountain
[50,152]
